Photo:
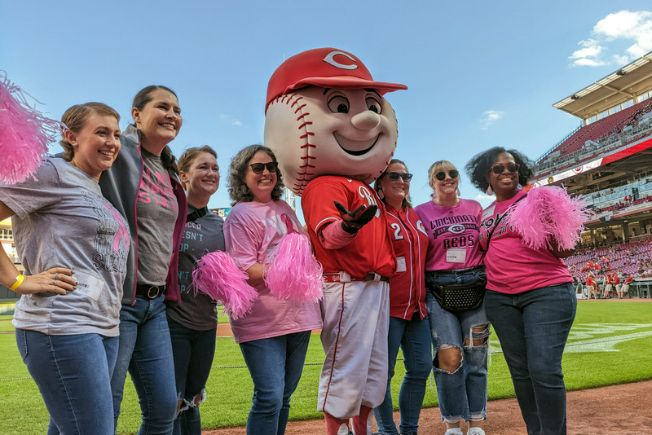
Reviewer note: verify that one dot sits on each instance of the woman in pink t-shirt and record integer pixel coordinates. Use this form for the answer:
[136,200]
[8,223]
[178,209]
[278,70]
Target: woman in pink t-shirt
[274,335]
[530,299]
[459,334]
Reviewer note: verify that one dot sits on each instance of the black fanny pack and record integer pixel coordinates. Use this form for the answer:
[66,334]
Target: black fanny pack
[457,298]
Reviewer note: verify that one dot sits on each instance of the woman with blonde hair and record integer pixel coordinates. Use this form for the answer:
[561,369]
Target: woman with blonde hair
[456,281]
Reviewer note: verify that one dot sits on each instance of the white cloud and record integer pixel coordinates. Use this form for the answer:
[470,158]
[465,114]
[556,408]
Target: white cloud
[231,120]
[633,26]
[588,54]
[489,117]
[620,60]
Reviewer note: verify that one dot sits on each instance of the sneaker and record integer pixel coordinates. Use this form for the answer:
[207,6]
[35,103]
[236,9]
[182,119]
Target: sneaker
[475,431]
[454,431]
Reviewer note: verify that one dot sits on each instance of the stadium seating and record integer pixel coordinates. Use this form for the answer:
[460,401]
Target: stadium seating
[612,131]
[633,258]
[620,197]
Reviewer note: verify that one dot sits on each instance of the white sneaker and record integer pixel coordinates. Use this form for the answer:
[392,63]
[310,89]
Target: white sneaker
[454,431]
[343,430]
[475,431]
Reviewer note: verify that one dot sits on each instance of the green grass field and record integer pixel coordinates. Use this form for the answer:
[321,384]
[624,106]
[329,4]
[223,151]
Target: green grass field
[611,343]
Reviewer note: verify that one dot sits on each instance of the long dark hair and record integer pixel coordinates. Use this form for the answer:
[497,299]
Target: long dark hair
[141,99]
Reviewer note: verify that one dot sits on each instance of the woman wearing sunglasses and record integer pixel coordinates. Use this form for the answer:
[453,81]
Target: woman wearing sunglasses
[408,324]
[530,298]
[274,335]
[455,280]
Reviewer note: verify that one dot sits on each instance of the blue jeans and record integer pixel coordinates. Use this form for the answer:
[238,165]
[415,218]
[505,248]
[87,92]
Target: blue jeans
[193,357]
[413,336]
[462,392]
[533,328]
[275,365]
[146,351]
[73,374]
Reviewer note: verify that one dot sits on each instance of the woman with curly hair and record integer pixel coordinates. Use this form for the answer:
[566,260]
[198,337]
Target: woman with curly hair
[530,299]
[274,335]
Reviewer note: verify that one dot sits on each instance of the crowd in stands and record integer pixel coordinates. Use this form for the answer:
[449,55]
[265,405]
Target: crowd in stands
[613,265]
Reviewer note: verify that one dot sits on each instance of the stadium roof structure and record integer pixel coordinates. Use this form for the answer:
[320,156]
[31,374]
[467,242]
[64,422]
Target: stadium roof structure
[618,87]
[620,163]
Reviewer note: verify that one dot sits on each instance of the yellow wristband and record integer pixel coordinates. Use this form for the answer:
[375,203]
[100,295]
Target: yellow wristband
[19,280]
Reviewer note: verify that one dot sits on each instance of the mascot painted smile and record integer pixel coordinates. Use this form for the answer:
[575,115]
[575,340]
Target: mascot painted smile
[334,133]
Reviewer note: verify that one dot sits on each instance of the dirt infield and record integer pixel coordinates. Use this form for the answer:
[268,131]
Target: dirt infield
[619,409]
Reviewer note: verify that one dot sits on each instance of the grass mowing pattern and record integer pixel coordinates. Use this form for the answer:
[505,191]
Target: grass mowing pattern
[230,387]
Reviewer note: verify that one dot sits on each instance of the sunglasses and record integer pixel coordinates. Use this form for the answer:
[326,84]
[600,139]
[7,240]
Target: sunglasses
[394,176]
[499,168]
[441,175]
[258,168]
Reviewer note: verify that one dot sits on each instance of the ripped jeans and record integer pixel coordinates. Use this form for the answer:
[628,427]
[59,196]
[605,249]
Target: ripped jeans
[462,392]
[193,357]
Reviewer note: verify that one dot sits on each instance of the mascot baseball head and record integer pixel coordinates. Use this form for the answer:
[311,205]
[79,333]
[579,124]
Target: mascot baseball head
[325,115]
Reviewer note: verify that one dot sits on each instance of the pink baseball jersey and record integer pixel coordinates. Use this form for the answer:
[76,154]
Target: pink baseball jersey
[511,266]
[452,234]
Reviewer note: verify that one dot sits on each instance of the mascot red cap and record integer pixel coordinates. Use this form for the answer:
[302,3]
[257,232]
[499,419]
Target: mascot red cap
[326,115]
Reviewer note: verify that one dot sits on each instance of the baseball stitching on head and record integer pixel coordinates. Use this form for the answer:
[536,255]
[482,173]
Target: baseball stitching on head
[306,160]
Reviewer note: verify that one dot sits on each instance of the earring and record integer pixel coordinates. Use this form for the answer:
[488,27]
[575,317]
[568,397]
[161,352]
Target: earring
[489,190]
[381,195]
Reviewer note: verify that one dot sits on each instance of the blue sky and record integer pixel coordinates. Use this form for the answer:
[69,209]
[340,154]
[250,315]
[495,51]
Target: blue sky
[480,74]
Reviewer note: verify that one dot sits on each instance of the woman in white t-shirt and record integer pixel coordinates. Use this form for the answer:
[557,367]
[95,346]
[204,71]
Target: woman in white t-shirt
[73,245]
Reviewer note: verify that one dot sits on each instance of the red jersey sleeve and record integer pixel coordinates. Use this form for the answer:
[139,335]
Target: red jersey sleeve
[318,202]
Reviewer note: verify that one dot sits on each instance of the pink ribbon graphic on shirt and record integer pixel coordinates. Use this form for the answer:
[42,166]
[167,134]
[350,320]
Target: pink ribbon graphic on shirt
[122,233]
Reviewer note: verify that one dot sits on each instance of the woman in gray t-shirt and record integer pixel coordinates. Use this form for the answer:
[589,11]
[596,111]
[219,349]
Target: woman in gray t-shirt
[143,185]
[73,245]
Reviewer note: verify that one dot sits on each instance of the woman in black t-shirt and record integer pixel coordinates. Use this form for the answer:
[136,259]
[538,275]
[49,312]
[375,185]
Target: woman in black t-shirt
[193,322]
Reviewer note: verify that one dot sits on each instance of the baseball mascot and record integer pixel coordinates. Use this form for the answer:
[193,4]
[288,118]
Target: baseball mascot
[333,133]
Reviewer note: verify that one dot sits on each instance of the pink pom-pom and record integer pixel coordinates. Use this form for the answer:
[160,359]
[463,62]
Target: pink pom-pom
[219,277]
[294,273]
[24,135]
[548,213]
